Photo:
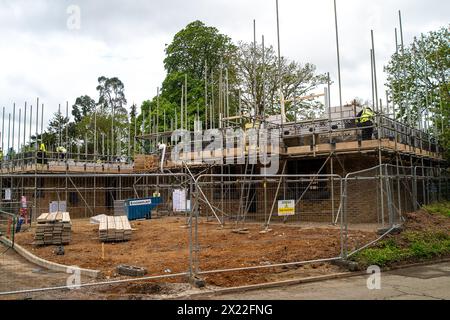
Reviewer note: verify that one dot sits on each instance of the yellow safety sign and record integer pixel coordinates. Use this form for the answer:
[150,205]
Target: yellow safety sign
[286,208]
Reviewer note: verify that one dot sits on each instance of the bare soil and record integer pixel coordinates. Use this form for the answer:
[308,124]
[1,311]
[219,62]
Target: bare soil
[161,246]
[424,221]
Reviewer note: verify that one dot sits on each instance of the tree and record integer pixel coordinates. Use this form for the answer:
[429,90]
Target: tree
[111,95]
[194,46]
[260,83]
[57,127]
[133,126]
[98,126]
[112,103]
[194,53]
[11,153]
[54,135]
[204,56]
[133,112]
[83,106]
[92,123]
[418,80]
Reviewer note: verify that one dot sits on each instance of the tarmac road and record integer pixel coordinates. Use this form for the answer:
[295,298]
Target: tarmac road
[430,282]
[18,274]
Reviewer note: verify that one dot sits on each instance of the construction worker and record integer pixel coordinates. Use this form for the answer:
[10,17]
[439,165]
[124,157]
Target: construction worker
[364,120]
[61,152]
[42,154]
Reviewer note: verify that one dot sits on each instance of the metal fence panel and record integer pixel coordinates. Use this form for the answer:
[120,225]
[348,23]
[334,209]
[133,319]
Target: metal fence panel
[257,224]
[246,227]
[160,245]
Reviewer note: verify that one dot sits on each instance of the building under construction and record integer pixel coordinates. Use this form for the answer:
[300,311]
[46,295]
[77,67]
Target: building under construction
[334,185]
[319,152]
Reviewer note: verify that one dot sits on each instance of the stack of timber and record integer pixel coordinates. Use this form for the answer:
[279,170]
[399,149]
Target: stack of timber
[114,229]
[53,229]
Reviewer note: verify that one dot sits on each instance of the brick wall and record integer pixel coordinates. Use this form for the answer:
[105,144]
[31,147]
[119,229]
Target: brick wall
[362,203]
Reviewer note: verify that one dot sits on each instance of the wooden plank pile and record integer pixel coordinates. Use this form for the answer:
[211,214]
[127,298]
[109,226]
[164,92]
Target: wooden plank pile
[53,229]
[114,229]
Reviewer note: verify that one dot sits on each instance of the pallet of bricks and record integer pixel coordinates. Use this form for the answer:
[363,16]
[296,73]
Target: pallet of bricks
[114,229]
[53,229]
[146,162]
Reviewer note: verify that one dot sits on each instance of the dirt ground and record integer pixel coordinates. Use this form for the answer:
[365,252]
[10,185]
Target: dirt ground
[161,246]
[152,290]
[422,220]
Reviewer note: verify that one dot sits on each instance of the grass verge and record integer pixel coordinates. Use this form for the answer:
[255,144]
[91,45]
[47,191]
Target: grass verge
[409,246]
[442,208]
[426,237]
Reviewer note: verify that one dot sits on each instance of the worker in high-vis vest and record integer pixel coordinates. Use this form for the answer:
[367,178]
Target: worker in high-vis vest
[61,152]
[364,120]
[42,154]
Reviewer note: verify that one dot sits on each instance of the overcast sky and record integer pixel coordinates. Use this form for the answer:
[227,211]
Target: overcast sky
[40,56]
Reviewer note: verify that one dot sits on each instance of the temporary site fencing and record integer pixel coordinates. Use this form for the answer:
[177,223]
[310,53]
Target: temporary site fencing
[7,225]
[257,222]
[208,225]
[85,196]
